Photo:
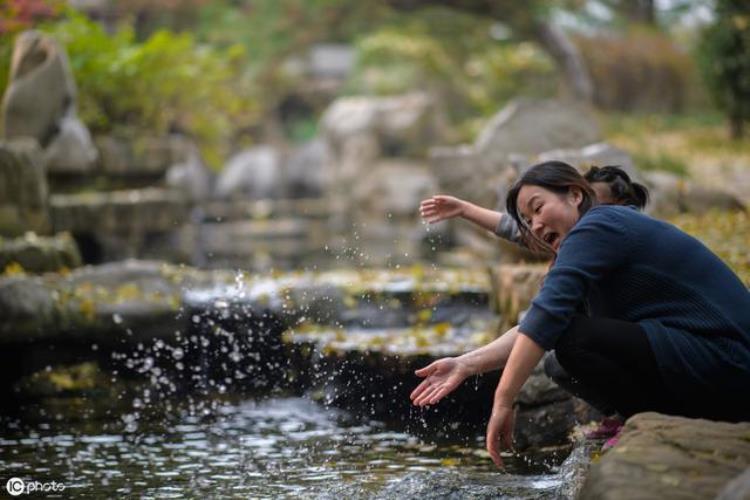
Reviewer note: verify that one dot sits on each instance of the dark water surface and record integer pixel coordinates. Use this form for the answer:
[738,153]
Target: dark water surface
[231,446]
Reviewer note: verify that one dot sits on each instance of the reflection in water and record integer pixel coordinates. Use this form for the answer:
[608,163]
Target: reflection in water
[256,448]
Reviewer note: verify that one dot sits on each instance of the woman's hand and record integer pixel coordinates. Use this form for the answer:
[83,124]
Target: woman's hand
[440,378]
[441,207]
[500,430]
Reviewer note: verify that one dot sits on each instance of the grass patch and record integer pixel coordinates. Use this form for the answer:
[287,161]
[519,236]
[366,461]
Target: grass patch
[661,161]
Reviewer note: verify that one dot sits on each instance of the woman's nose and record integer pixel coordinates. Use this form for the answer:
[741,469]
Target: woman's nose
[536,226]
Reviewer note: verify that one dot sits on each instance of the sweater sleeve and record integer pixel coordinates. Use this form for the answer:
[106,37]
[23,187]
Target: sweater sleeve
[507,229]
[599,243]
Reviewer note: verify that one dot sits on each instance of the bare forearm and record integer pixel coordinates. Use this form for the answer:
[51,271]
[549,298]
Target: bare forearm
[483,217]
[524,357]
[492,356]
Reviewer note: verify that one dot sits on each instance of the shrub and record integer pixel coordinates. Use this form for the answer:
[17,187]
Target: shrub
[638,71]
[724,57]
[167,82]
[457,60]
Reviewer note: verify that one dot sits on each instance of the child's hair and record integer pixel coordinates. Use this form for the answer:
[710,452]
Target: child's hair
[624,191]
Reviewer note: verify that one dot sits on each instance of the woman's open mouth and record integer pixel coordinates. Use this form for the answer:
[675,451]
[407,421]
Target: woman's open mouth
[551,239]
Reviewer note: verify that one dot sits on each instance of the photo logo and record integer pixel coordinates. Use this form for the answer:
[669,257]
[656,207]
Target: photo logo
[15,486]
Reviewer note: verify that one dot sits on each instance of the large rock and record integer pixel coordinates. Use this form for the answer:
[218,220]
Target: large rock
[37,254]
[513,288]
[659,456]
[670,194]
[402,125]
[40,103]
[530,128]
[599,155]
[254,173]
[23,188]
[190,176]
[94,303]
[41,88]
[394,187]
[119,224]
[71,150]
[360,130]
[304,172]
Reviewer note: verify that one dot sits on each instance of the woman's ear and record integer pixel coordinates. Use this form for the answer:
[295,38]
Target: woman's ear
[575,195]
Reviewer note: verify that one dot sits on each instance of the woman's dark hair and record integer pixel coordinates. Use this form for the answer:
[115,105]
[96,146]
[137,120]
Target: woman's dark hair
[555,176]
[624,191]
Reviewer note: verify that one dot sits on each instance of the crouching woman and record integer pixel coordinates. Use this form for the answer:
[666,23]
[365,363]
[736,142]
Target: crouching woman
[641,314]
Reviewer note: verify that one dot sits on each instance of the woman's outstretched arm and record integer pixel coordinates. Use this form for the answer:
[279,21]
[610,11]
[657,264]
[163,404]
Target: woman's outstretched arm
[444,375]
[524,357]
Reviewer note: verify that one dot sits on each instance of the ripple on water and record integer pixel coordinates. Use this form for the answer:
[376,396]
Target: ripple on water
[268,448]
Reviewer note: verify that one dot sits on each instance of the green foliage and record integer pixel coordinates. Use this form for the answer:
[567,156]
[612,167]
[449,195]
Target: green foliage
[274,30]
[724,58]
[168,81]
[452,56]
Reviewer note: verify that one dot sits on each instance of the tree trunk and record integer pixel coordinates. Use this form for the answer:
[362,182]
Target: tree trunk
[640,11]
[568,58]
[736,126]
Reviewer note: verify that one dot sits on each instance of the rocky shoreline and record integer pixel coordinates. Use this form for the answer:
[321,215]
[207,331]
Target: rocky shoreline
[336,336]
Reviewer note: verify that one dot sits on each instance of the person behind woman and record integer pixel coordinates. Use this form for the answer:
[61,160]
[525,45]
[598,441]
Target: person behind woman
[611,184]
[668,323]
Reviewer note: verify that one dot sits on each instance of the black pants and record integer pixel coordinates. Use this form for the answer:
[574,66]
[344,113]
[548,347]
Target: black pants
[610,364]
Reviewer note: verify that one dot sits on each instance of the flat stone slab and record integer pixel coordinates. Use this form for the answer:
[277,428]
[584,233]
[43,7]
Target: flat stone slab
[660,456]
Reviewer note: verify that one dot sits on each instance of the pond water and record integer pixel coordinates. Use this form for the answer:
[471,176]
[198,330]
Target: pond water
[237,446]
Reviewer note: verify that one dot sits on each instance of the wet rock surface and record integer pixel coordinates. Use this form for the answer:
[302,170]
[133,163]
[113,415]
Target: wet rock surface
[23,188]
[39,254]
[660,456]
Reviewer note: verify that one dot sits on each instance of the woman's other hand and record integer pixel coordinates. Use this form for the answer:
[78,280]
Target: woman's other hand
[440,379]
[441,207]
[500,431]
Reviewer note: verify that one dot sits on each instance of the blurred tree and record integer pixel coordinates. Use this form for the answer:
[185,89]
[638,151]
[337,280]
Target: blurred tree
[529,20]
[724,57]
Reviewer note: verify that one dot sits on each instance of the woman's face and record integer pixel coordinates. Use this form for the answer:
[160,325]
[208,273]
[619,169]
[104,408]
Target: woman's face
[549,215]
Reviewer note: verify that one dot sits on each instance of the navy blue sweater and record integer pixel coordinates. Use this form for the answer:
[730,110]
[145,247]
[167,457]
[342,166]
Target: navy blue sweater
[622,264]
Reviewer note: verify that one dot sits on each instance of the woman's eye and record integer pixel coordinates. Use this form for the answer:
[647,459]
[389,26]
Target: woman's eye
[538,207]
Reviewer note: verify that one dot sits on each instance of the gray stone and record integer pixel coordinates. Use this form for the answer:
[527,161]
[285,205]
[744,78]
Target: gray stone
[328,60]
[28,309]
[254,173]
[531,127]
[660,456]
[304,172]
[40,103]
[190,176]
[671,194]
[361,129]
[738,488]
[540,390]
[71,150]
[394,188]
[546,425]
[39,254]
[41,89]
[23,188]
[599,154]
[119,221]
